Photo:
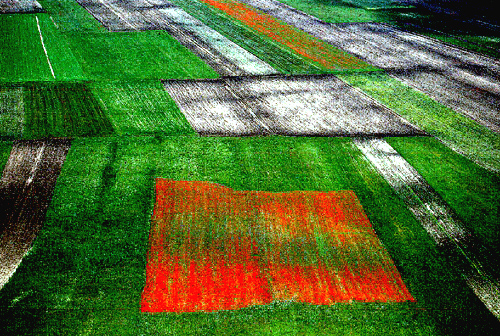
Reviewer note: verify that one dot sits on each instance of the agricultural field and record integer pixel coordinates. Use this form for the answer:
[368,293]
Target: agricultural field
[244,167]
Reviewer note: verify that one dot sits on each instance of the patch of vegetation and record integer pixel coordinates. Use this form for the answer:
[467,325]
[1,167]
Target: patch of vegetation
[136,56]
[141,108]
[5,148]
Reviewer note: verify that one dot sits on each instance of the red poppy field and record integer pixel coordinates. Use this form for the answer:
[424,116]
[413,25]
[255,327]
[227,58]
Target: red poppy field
[215,248]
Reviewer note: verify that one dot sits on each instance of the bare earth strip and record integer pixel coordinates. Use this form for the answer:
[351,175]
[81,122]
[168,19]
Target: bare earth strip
[26,189]
[298,105]
[20,6]
[435,216]
[454,77]
[226,57]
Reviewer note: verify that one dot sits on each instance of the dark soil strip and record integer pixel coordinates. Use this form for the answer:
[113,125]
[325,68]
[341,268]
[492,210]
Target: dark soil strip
[26,190]
[284,105]
[462,79]
[437,218]
[20,6]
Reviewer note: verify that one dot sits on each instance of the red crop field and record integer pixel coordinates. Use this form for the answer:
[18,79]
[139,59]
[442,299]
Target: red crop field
[215,248]
[295,39]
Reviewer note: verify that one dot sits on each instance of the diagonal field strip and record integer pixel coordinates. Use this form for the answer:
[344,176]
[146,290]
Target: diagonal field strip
[26,189]
[455,77]
[300,42]
[20,6]
[298,105]
[223,55]
[435,216]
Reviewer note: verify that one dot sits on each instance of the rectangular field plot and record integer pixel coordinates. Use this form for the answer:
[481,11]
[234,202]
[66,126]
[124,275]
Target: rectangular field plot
[20,6]
[213,248]
[34,50]
[317,106]
[62,110]
[139,108]
[137,55]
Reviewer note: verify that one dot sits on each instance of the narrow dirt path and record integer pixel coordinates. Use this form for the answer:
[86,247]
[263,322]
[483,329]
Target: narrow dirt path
[26,190]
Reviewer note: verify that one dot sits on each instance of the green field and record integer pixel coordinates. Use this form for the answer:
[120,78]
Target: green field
[23,55]
[141,108]
[63,110]
[5,147]
[136,56]
[86,270]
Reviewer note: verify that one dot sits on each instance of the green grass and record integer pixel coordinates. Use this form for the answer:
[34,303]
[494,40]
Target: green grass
[459,132]
[86,270]
[5,147]
[135,56]
[70,16]
[63,110]
[333,11]
[23,55]
[471,191]
[141,108]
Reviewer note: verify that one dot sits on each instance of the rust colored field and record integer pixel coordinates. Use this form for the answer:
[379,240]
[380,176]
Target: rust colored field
[214,248]
[302,43]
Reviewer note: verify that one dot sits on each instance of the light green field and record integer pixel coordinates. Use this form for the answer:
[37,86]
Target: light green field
[141,108]
[136,56]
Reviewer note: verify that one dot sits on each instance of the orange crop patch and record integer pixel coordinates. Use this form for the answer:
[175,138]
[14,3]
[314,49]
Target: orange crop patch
[215,248]
[302,43]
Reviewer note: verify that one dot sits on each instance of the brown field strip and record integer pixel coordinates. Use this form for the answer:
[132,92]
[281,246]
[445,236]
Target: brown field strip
[26,189]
